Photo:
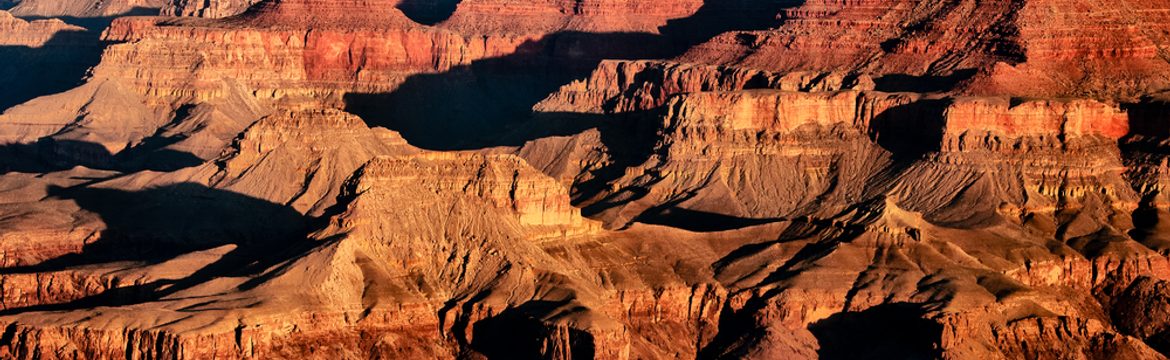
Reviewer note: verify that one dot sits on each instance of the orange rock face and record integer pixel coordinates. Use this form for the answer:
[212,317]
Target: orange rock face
[1029,48]
[18,32]
[325,179]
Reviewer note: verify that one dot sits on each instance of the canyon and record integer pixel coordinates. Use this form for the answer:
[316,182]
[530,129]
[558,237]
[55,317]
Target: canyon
[609,179]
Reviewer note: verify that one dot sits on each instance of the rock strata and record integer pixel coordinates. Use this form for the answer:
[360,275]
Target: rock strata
[239,179]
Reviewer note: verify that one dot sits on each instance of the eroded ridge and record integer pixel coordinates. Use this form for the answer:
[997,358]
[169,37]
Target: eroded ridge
[240,179]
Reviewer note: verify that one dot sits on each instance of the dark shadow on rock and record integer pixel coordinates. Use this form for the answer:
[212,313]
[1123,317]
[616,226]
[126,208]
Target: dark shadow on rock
[428,12]
[154,152]
[517,333]
[738,332]
[742,330]
[912,130]
[154,225]
[628,139]
[99,23]
[922,84]
[59,64]
[697,221]
[50,155]
[719,16]
[1143,150]
[1146,218]
[795,232]
[1149,127]
[473,106]
[164,222]
[888,331]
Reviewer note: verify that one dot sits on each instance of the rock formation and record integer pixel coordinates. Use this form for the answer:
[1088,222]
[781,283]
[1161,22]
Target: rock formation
[47,56]
[208,9]
[87,8]
[1023,48]
[240,179]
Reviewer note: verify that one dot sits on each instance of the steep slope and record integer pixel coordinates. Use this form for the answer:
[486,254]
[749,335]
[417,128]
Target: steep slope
[294,158]
[47,56]
[1023,48]
[18,32]
[548,16]
[207,9]
[87,8]
[913,209]
[510,205]
[591,179]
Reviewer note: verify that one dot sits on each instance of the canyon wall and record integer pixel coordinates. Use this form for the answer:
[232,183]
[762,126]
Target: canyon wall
[584,179]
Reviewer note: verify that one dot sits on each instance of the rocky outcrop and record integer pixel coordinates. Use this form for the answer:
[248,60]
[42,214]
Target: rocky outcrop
[294,158]
[506,183]
[1019,48]
[1139,310]
[49,56]
[529,231]
[877,37]
[741,158]
[36,33]
[545,16]
[1001,119]
[87,8]
[1056,165]
[188,91]
[973,179]
[796,144]
[328,13]
[1090,338]
[1105,65]
[329,146]
[294,64]
[631,86]
[207,9]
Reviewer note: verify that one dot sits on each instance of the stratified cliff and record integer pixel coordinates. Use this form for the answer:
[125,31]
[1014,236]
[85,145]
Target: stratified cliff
[1024,48]
[585,179]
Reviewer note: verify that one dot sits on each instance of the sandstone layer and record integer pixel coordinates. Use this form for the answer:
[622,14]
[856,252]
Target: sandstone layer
[240,179]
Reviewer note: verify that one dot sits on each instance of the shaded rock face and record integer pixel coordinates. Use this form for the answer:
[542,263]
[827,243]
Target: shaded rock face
[603,179]
[48,56]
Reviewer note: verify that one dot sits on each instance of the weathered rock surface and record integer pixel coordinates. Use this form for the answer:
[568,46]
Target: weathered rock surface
[207,9]
[1023,48]
[544,16]
[631,86]
[45,56]
[18,32]
[585,179]
[87,8]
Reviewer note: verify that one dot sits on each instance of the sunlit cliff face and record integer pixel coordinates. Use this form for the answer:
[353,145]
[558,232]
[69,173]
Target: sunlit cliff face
[610,179]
